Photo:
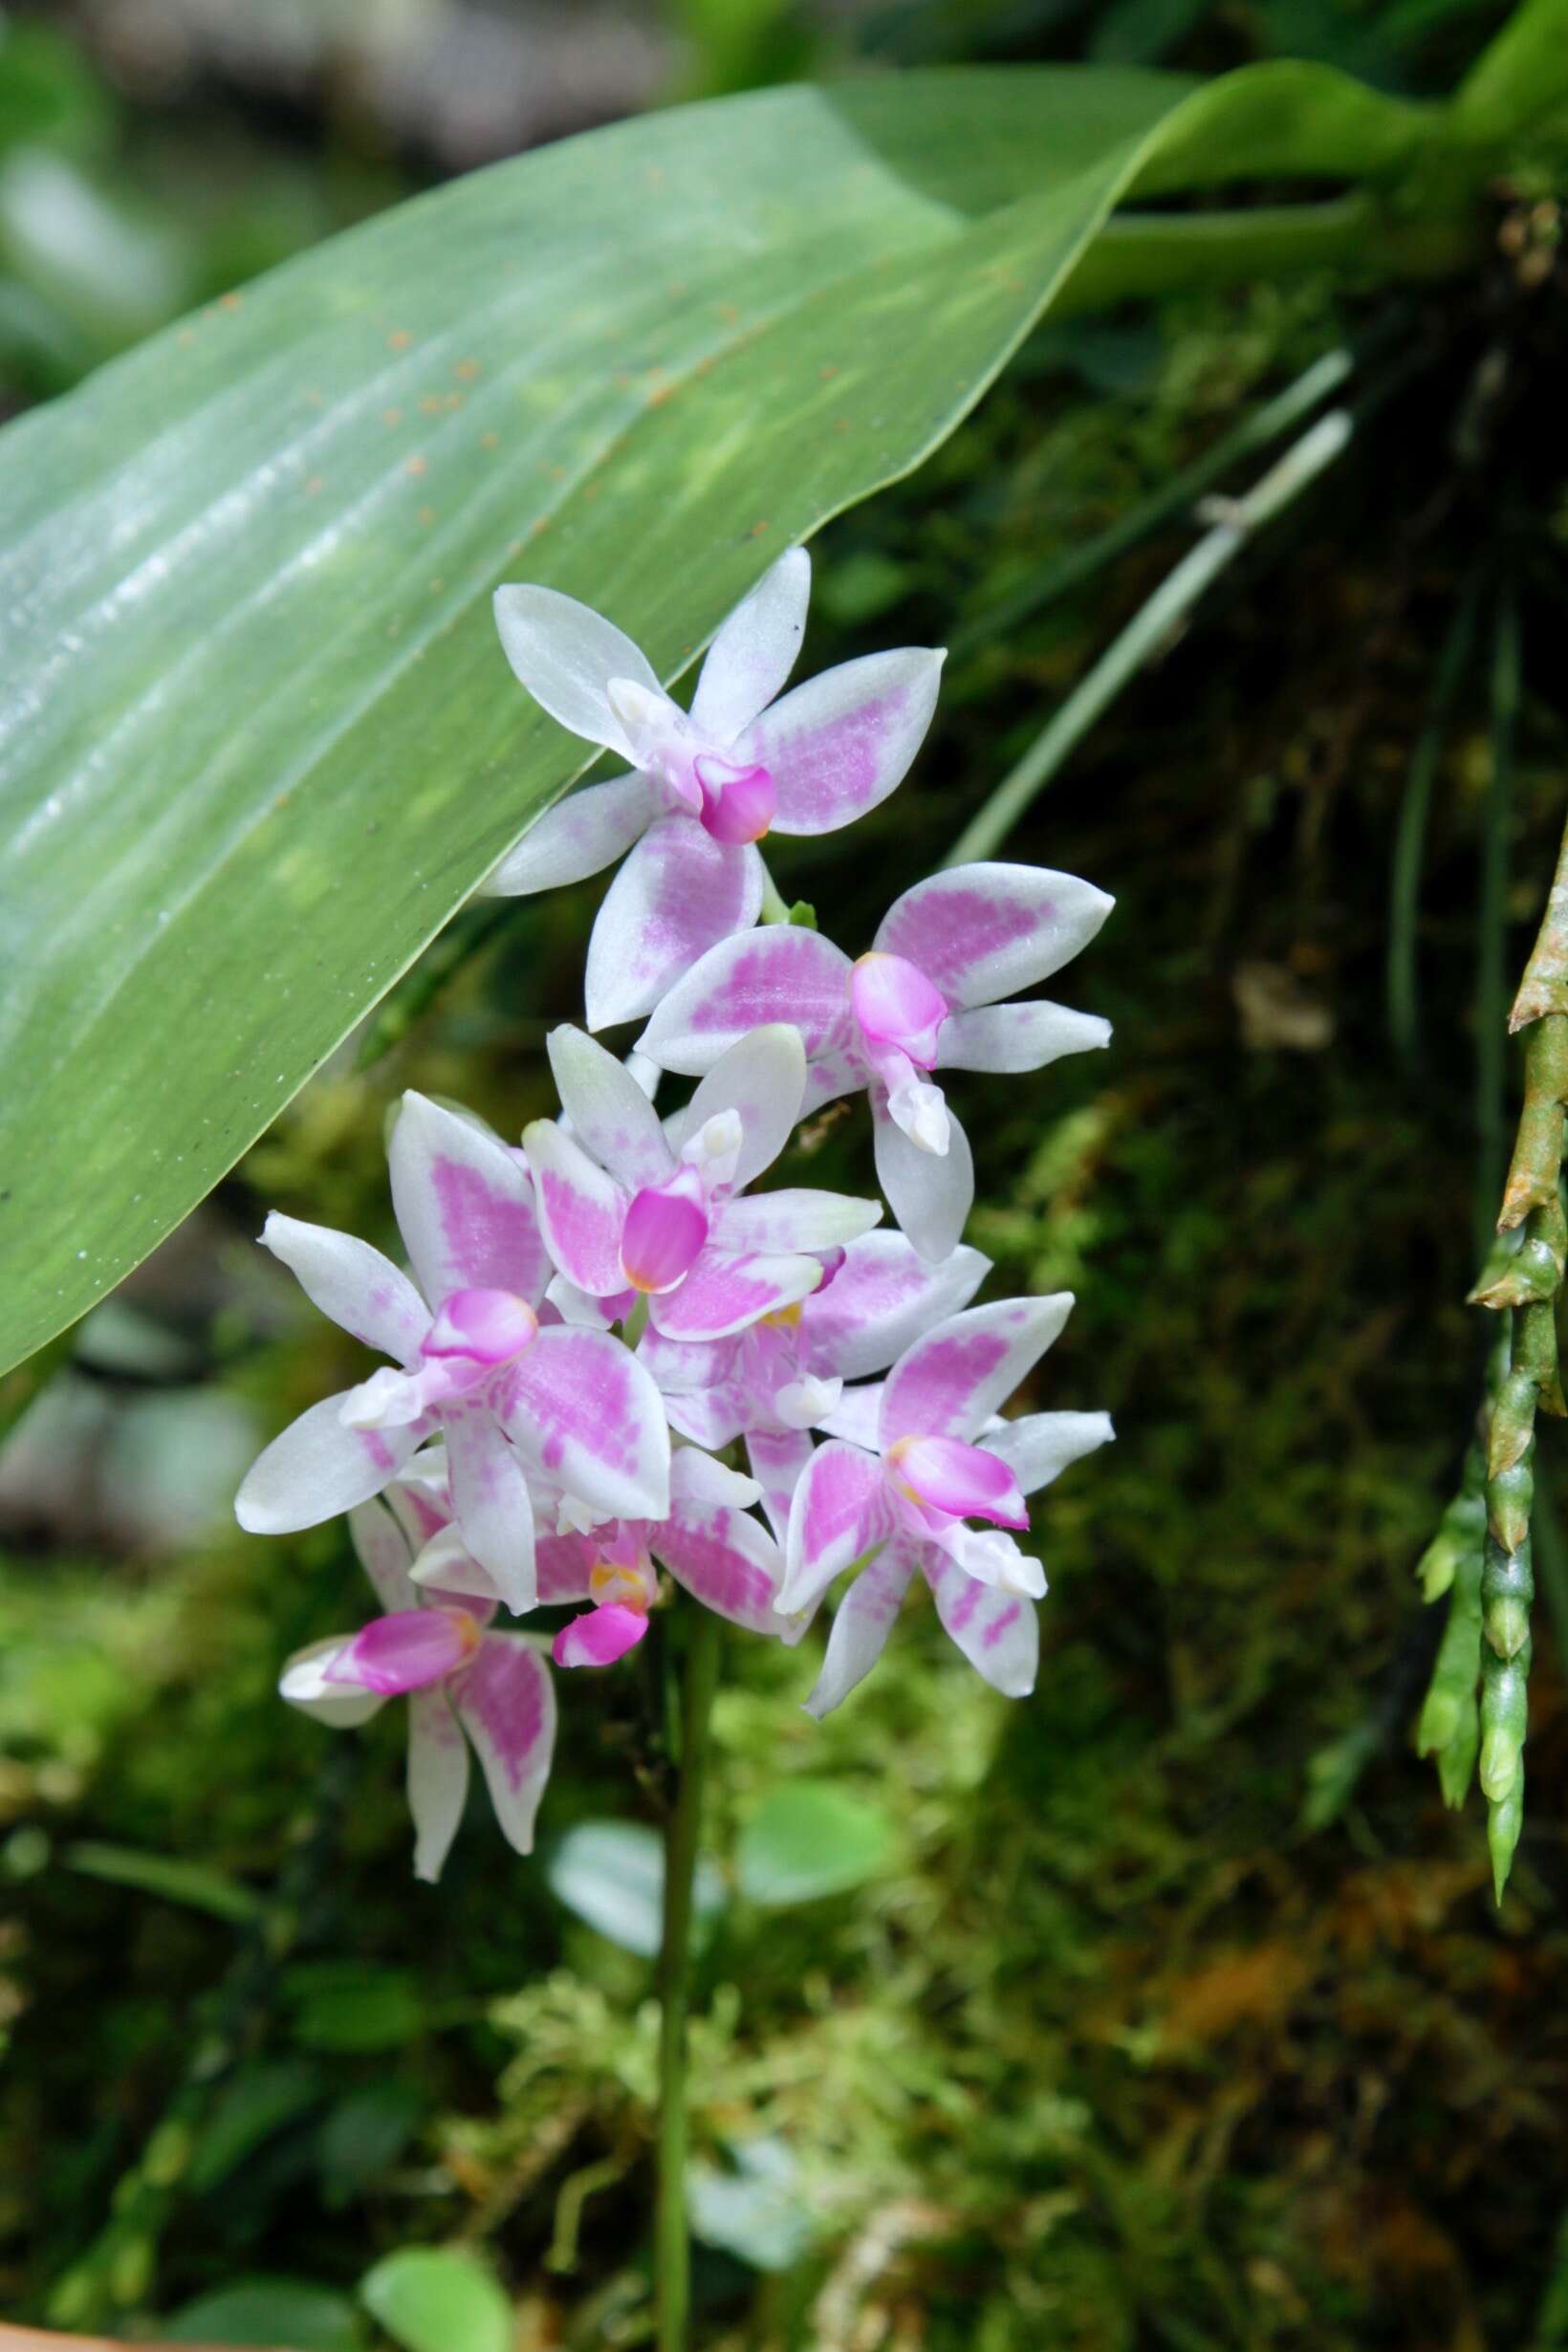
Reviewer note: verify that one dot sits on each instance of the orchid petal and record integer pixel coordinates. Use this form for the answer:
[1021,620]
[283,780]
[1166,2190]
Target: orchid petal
[930,1193]
[697,1482]
[437,1781]
[600,1636]
[580,1307]
[841,1510]
[710,1417]
[857,1416]
[507,1705]
[755,650]
[777,1459]
[491,1498]
[305,1683]
[420,1497]
[318,1467]
[565,1567]
[445,1567]
[794,1218]
[678,893]
[725,1559]
[998,1631]
[952,1382]
[584,1410]
[580,835]
[464,1206]
[682,1366]
[860,1627]
[1009,1038]
[761,1080]
[610,1114]
[722,1294]
[362,1291]
[839,744]
[880,1299]
[566,655]
[983,931]
[779,973]
[385,1554]
[1040,1446]
[581,1209]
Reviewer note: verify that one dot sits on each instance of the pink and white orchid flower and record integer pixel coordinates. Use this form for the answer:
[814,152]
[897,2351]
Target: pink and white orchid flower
[626,1209]
[936,1459]
[708,1542]
[922,999]
[778,1379]
[474,1363]
[435,1647]
[706,785]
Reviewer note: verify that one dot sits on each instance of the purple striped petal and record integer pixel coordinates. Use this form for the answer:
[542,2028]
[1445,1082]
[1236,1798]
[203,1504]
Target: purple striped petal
[778,1458]
[490,1501]
[952,1382]
[580,835]
[860,1627]
[839,744]
[985,931]
[738,803]
[793,1219]
[586,1414]
[882,1298]
[464,1206]
[841,1508]
[320,1466]
[508,1708]
[677,895]
[438,1779]
[355,1285]
[997,1631]
[565,1567]
[722,1294]
[725,1559]
[581,1209]
[780,973]
[385,1554]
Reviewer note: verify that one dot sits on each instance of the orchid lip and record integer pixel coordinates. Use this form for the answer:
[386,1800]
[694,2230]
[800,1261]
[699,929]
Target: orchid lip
[485,1327]
[739,804]
[663,1237]
[896,1004]
[408,1649]
[958,1481]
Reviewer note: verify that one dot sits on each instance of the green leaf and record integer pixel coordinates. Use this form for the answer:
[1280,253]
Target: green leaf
[612,1875]
[257,740]
[351,2005]
[191,1884]
[808,1839]
[275,2312]
[433,2298]
[260,2099]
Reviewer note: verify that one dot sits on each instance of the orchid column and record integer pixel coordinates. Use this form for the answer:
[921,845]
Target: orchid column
[598,1328]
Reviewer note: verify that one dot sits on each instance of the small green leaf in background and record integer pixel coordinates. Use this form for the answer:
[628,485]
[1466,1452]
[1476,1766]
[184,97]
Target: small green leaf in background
[363,2136]
[165,1875]
[612,1875]
[288,2314]
[809,1838]
[754,2213]
[259,2100]
[349,2005]
[433,2299]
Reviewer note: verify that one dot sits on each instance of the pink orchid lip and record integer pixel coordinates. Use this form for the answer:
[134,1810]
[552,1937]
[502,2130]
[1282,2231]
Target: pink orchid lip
[894,1004]
[600,1636]
[663,1237]
[738,803]
[961,1481]
[485,1327]
[407,1650]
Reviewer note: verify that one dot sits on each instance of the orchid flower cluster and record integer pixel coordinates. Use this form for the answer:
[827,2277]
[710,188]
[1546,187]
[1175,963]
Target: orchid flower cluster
[597,1329]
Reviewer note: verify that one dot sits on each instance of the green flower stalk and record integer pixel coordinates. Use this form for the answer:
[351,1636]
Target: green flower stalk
[1492,1581]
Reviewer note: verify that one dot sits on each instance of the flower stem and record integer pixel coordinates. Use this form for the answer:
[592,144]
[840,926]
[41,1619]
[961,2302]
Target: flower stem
[672,2250]
[775,906]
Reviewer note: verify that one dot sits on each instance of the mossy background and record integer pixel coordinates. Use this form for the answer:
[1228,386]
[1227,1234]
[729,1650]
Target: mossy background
[1181,2014]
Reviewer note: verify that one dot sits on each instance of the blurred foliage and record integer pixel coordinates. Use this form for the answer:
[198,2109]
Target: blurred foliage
[1167,2008]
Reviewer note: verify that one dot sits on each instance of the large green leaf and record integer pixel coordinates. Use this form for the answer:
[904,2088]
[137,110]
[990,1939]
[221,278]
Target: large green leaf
[257,738]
